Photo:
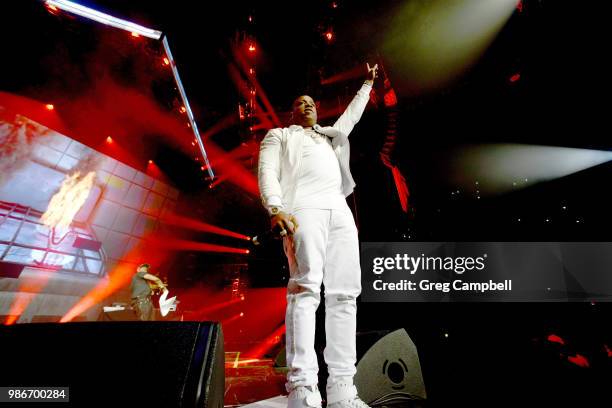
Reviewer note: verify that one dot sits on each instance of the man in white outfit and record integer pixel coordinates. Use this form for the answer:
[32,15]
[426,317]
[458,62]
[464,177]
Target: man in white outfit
[304,179]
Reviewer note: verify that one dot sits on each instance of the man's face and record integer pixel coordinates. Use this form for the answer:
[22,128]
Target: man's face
[304,111]
[144,269]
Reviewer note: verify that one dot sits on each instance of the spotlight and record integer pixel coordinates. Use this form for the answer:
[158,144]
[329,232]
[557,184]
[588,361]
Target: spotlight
[252,48]
[166,61]
[135,34]
[183,109]
[329,36]
[150,161]
[109,139]
[49,106]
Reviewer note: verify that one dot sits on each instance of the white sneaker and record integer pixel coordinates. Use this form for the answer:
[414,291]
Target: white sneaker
[343,395]
[304,397]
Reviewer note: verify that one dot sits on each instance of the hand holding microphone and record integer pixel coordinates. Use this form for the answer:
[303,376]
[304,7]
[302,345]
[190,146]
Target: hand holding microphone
[283,223]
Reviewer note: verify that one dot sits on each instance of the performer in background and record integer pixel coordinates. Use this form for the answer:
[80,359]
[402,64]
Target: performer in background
[141,288]
[304,179]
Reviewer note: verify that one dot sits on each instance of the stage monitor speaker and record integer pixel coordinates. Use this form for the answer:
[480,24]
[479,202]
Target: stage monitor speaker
[119,364]
[389,371]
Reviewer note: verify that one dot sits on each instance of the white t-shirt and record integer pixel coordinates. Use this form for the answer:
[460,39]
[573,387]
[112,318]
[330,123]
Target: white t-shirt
[319,183]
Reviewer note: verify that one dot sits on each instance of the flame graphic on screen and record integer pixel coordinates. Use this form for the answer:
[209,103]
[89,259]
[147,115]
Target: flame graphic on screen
[68,200]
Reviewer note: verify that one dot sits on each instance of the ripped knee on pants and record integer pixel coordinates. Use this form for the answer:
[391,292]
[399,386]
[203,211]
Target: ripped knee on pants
[344,298]
[294,288]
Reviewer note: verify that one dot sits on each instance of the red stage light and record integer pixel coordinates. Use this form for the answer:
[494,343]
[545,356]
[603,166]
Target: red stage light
[166,61]
[329,36]
[515,77]
[241,314]
[250,19]
[49,106]
[252,48]
[135,35]
[150,161]
[334,4]
[109,139]
[183,109]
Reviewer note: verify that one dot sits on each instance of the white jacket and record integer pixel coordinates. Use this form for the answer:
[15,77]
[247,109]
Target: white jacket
[280,155]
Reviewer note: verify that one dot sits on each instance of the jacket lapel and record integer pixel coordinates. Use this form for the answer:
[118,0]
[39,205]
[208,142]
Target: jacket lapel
[338,138]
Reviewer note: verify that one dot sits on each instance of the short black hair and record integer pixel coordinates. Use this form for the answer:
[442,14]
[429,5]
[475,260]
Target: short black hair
[144,265]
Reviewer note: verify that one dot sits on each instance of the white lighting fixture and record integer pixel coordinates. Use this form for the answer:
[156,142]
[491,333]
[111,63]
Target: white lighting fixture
[78,9]
[136,30]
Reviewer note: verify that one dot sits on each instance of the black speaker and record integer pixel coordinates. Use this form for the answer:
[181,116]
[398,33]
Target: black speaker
[153,364]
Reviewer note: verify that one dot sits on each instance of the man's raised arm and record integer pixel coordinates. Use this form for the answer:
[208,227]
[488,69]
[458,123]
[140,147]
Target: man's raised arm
[353,112]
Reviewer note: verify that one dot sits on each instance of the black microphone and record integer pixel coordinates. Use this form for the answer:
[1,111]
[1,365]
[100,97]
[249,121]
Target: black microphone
[267,236]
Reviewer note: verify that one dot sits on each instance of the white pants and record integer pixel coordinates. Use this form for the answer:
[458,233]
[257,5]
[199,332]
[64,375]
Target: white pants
[324,249]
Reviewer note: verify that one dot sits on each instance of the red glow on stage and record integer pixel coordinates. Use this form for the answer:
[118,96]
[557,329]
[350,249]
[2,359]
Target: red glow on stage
[268,343]
[166,61]
[183,109]
[334,4]
[252,48]
[27,291]
[356,72]
[553,338]
[196,225]
[515,77]
[390,98]
[519,6]
[401,187]
[154,171]
[226,322]
[109,139]
[49,106]
[135,35]
[268,115]
[329,36]
[186,245]
[579,360]
[608,351]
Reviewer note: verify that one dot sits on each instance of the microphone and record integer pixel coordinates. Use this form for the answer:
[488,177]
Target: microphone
[267,236]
